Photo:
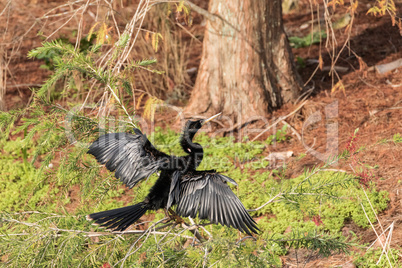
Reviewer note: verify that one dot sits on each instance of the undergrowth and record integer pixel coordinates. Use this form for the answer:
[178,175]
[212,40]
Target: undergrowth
[375,258]
[49,186]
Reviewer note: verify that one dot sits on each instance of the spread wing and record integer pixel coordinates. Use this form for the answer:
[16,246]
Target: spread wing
[208,194]
[132,157]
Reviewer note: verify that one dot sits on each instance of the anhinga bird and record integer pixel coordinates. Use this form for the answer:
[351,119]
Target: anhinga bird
[206,193]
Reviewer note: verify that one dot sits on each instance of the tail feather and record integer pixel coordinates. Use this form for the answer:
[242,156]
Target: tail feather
[127,220]
[120,218]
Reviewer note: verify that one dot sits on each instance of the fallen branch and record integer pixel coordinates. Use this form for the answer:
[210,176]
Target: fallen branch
[387,67]
[279,120]
[92,234]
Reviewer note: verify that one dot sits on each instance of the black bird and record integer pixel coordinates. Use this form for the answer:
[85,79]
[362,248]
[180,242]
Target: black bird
[206,193]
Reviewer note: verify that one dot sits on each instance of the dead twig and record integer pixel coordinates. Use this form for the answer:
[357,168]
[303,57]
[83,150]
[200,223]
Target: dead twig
[279,120]
[270,201]
[201,11]
[293,129]
[240,125]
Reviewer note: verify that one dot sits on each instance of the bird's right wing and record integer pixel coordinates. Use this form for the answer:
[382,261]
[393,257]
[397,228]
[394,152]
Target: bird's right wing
[208,195]
[132,157]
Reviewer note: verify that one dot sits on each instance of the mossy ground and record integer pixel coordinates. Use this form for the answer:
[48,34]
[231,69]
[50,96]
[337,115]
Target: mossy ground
[44,203]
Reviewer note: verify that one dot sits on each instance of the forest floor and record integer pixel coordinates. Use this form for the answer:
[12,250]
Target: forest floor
[371,102]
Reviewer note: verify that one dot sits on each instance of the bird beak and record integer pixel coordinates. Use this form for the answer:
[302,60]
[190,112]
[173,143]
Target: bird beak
[212,117]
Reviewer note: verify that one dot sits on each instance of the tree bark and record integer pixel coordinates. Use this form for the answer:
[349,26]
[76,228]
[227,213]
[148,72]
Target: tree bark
[247,67]
[3,79]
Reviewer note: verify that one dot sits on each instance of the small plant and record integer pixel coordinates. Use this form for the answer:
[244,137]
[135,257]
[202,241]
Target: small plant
[301,63]
[397,138]
[279,136]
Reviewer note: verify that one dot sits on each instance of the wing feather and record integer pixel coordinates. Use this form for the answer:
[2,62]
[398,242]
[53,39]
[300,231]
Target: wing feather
[220,203]
[203,207]
[132,157]
[208,195]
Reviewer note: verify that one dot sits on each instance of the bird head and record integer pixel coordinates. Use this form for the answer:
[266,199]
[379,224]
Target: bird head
[192,126]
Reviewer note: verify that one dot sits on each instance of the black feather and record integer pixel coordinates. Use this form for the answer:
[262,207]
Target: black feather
[119,219]
[125,154]
[207,194]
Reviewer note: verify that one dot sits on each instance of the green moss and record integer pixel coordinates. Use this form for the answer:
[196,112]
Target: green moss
[20,187]
[77,178]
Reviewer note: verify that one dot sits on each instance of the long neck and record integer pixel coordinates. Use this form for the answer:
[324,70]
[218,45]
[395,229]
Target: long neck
[194,150]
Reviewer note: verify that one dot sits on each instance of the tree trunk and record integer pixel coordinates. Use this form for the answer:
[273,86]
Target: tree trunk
[247,67]
[3,79]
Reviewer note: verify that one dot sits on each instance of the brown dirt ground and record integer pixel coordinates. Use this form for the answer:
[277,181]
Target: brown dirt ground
[371,102]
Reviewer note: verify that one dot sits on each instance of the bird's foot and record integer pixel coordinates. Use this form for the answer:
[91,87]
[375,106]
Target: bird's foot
[167,215]
[172,216]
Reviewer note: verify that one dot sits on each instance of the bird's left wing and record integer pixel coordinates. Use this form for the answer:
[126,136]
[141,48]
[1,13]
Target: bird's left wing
[132,157]
[208,195]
